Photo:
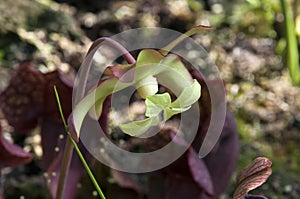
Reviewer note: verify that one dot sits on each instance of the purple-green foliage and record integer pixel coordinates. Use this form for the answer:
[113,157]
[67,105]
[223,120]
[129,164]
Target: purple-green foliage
[189,175]
[29,101]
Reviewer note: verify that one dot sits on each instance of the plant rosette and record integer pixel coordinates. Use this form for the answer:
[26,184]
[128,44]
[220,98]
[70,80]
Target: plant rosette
[150,69]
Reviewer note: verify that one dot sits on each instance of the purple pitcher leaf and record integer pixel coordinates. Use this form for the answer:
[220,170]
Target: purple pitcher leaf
[64,88]
[222,160]
[177,139]
[180,187]
[197,167]
[190,168]
[53,143]
[30,96]
[205,99]
[33,91]
[76,171]
[200,173]
[53,139]
[157,185]
[116,192]
[12,155]
[103,120]
[23,100]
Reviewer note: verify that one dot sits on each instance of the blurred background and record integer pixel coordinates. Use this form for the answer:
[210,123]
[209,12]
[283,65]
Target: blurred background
[248,44]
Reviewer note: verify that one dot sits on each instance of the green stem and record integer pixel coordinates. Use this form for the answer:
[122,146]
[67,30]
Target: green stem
[292,59]
[68,155]
[86,166]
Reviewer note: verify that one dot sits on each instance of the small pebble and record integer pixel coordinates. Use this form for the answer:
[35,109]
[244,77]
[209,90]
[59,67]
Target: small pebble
[288,188]
[95,193]
[56,149]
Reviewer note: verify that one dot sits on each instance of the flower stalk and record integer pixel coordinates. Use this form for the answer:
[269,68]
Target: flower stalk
[70,145]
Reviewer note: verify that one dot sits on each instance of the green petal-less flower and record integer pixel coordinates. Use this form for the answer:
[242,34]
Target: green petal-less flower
[152,68]
[158,103]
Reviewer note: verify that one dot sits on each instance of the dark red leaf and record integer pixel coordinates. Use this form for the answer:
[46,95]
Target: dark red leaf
[54,137]
[75,173]
[199,171]
[64,88]
[188,175]
[23,100]
[30,96]
[157,185]
[29,100]
[40,108]
[180,187]
[222,160]
[205,99]
[103,120]
[116,192]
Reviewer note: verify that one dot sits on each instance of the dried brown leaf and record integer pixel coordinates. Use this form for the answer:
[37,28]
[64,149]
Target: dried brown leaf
[252,176]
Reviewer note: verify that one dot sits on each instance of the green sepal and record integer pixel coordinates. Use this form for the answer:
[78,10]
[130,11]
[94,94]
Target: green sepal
[155,104]
[139,127]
